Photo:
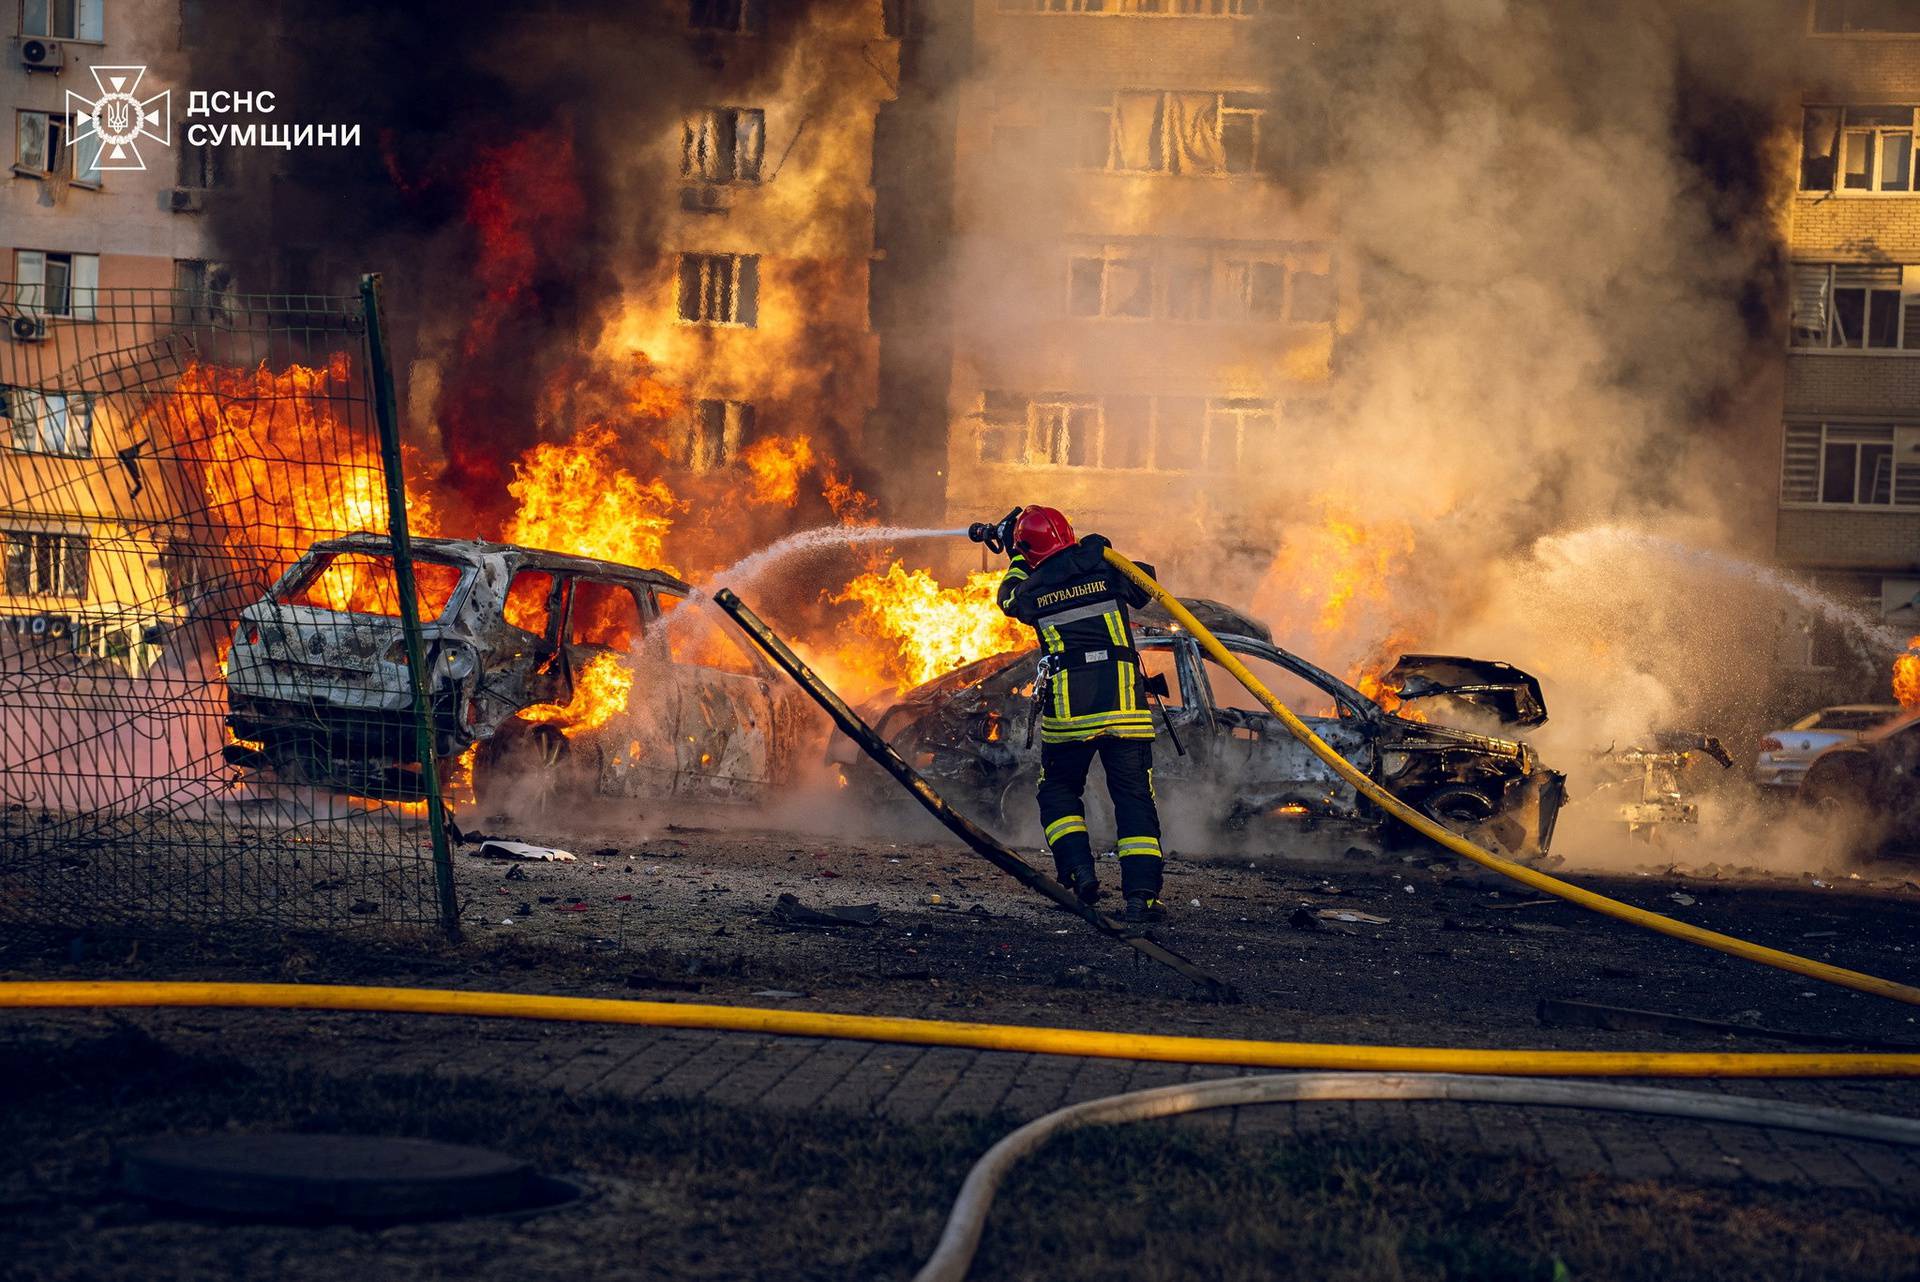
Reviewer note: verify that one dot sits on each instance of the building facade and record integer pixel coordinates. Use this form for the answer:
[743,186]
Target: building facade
[79,566]
[1849,502]
[1141,309]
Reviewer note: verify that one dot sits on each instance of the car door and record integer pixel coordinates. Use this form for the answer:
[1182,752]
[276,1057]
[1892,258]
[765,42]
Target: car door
[727,731]
[1265,765]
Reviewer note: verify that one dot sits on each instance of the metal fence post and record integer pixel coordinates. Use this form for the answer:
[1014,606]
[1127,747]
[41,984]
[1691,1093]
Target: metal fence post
[386,414]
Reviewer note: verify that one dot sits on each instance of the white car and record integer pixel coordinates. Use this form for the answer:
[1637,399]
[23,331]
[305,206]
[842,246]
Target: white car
[1786,754]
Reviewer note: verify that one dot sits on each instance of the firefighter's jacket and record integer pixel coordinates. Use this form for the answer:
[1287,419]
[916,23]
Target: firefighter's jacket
[1078,604]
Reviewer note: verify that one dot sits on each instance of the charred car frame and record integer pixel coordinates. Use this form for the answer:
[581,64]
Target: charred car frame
[966,731]
[318,690]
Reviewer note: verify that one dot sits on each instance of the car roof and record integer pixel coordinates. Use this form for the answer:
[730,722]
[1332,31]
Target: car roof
[473,551]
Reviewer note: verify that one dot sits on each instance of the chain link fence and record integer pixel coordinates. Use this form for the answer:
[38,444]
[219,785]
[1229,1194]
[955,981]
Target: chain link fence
[173,753]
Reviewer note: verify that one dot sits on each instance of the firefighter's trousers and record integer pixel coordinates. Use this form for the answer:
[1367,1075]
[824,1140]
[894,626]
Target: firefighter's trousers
[1063,784]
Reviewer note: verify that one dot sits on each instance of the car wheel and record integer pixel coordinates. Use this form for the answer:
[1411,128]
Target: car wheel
[534,769]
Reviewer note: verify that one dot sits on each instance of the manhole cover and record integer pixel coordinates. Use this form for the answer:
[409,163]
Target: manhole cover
[332,1177]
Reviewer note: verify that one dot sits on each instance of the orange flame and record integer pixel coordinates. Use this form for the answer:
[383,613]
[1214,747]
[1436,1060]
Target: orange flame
[775,466]
[927,630]
[576,497]
[600,690]
[1906,676]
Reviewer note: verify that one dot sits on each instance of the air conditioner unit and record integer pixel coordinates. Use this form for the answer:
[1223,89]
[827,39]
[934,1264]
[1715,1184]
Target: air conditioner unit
[28,329]
[37,54]
[186,200]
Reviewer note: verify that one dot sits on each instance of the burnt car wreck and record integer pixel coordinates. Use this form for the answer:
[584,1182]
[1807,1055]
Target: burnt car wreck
[967,732]
[318,692]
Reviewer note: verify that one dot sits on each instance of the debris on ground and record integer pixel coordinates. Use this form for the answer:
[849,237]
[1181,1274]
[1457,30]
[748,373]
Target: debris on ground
[1349,915]
[789,911]
[1555,1012]
[497,848]
[1685,901]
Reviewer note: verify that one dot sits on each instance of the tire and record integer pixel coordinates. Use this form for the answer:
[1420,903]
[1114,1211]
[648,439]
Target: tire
[534,769]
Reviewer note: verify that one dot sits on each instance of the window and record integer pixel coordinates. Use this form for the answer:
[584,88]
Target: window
[1118,283]
[1278,289]
[1156,131]
[1857,306]
[49,422]
[1063,431]
[63,19]
[1189,274]
[366,583]
[720,289]
[1235,429]
[1851,465]
[744,16]
[529,604]
[1864,17]
[48,284]
[43,144]
[604,614]
[40,563]
[1858,150]
[203,290]
[1165,433]
[723,145]
[710,438]
[201,166]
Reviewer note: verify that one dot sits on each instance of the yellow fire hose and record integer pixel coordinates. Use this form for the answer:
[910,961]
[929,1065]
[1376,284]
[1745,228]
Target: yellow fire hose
[91,994]
[1459,845]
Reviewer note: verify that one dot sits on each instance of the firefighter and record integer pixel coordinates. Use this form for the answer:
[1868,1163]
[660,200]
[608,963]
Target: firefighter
[1092,701]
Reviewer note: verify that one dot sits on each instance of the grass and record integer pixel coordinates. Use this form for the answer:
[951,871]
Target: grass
[690,1190]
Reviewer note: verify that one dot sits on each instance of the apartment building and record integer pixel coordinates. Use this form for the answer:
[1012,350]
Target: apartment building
[1849,504]
[80,567]
[752,295]
[1142,312]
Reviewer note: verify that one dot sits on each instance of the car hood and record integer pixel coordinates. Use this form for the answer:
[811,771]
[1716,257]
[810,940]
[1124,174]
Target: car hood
[1502,689]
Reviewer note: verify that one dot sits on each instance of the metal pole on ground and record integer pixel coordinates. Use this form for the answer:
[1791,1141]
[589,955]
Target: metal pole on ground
[386,414]
[983,844]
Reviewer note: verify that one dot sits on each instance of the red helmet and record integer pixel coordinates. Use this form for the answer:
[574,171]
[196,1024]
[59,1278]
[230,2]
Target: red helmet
[1040,532]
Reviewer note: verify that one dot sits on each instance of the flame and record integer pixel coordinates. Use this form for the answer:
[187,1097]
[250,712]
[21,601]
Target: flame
[283,471]
[600,690]
[774,467]
[926,630]
[576,497]
[1338,570]
[1906,676]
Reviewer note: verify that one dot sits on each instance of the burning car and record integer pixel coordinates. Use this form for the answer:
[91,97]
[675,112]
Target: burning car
[966,731]
[562,674]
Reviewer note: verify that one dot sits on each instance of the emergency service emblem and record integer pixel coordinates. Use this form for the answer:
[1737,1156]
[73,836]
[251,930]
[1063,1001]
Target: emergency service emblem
[119,118]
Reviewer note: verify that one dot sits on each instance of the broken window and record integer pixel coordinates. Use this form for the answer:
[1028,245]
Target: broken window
[530,601]
[711,437]
[1850,464]
[1274,289]
[1236,428]
[1063,431]
[1003,427]
[695,637]
[743,16]
[365,583]
[723,144]
[1189,274]
[49,422]
[50,284]
[603,614]
[201,166]
[44,563]
[1859,149]
[1161,131]
[203,289]
[1126,439]
[63,19]
[1117,283]
[720,289]
[1255,290]
[1161,661]
[44,144]
[1855,17]
[1861,306]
